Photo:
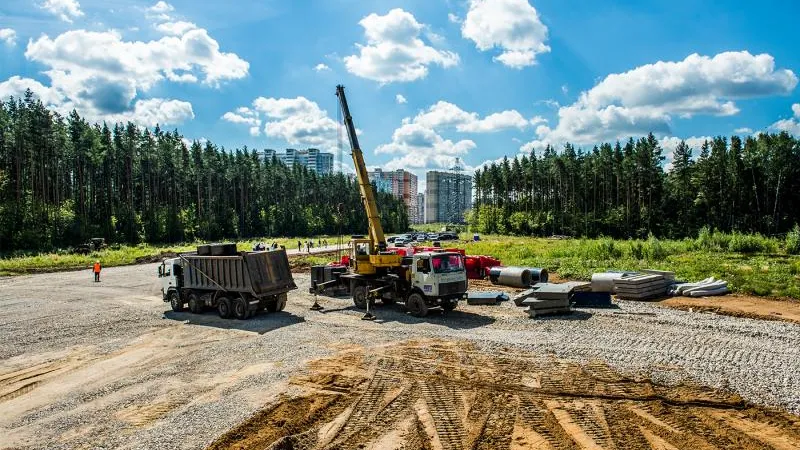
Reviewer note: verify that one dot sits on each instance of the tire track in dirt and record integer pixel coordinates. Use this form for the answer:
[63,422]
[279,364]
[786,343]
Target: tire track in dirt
[447,395]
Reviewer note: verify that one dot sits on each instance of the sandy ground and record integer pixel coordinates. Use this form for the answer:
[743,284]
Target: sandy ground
[108,365]
[740,306]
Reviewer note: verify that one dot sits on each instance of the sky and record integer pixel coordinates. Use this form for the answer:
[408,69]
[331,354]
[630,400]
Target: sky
[427,81]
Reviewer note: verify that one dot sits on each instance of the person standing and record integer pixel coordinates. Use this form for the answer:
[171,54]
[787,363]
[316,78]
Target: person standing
[96,269]
[299,246]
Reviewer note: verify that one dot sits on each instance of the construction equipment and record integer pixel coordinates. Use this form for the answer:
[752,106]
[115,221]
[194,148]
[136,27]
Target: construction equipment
[92,245]
[421,281]
[237,284]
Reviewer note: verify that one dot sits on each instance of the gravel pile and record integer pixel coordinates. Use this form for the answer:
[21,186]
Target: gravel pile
[106,365]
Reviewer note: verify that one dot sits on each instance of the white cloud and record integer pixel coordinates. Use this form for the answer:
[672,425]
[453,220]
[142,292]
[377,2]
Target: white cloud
[400,99]
[177,28]
[155,111]
[8,36]
[66,10]
[565,89]
[321,67]
[647,98]
[511,25]
[161,7]
[536,120]
[104,77]
[453,18]
[297,121]
[17,85]
[447,115]
[743,130]
[394,51]
[791,125]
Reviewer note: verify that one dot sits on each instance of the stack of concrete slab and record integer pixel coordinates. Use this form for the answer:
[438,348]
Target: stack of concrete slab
[550,298]
[485,298]
[644,286]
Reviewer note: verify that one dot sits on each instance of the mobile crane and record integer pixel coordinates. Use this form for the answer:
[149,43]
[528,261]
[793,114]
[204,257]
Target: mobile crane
[421,281]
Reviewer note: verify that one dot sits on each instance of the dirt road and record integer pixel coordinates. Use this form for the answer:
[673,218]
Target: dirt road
[445,395]
[107,365]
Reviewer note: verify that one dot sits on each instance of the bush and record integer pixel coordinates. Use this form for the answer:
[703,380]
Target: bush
[653,250]
[750,243]
[603,249]
[793,241]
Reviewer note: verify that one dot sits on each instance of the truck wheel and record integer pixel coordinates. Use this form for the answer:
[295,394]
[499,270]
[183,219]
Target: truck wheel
[360,297]
[195,305]
[449,305]
[240,308]
[224,307]
[281,301]
[416,305]
[175,301]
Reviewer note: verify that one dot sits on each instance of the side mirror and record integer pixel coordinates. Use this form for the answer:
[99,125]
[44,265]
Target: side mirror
[160,271]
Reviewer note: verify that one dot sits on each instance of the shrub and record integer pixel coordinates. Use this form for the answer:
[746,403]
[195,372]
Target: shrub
[793,241]
[653,250]
[603,249]
[750,243]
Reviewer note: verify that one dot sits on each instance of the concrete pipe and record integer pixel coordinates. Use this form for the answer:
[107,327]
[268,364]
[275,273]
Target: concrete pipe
[538,275]
[604,281]
[510,276]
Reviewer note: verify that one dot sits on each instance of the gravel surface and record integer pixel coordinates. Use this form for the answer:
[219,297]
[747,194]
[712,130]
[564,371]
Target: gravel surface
[108,365]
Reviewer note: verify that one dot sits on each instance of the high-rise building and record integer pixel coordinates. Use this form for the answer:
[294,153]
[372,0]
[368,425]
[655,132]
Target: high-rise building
[312,158]
[448,196]
[420,208]
[402,184]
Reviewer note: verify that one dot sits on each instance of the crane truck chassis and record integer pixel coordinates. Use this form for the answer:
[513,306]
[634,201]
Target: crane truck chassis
[237,285]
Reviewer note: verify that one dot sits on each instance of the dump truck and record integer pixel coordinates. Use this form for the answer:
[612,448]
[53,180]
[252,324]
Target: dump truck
[236,284]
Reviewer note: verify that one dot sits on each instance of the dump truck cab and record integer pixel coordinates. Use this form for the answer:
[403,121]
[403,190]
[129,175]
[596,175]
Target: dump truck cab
[170,275]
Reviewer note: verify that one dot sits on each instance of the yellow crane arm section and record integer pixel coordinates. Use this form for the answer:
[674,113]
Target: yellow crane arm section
[368,197]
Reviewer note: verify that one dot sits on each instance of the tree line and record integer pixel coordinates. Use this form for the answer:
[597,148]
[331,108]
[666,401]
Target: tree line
[64,180]
[623,189]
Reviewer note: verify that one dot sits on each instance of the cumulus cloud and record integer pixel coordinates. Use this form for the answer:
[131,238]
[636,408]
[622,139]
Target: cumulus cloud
[161,7]
[8,36]
[743,130]
[513,26]
[394,51]
[453,18]
[321,67]
[16,86]
[447,115]
[177,28]
[791,125]
[104,76]
[297,121]
[647,98]
[400,99]
[65,10]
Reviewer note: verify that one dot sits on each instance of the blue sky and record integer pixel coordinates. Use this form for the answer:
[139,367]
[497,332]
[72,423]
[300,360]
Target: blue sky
[427,81]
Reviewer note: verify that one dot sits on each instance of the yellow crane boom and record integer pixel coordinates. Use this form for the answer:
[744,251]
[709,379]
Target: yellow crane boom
[377,257]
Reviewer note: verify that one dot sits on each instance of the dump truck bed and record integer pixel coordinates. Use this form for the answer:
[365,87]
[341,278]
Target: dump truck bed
[257,273]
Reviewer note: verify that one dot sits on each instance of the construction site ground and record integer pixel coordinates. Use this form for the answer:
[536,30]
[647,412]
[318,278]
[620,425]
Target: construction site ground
[108,365]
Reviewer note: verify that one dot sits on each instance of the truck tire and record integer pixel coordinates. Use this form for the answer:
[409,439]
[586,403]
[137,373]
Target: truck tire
[240,308]
[224,307]
[175,301]
[449,305]
[278,304]
[416,305]
[360,296]
[195,305]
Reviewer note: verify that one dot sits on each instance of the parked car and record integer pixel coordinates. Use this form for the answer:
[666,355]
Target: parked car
[391,239]
[448,236]
[433,236]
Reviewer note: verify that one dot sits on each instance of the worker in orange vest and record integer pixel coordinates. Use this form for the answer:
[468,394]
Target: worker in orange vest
[96,268]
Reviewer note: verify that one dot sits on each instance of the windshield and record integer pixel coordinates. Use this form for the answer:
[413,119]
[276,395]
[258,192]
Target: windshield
[447,263]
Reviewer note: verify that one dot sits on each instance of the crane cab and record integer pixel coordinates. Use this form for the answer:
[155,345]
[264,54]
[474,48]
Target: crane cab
[366,260]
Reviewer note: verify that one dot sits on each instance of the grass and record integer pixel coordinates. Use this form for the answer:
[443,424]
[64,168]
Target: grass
[124,255]
[763,268]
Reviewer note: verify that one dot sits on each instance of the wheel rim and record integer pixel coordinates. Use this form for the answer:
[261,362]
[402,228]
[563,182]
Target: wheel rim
[224,309]
[173,300]
[359,297]
[240,309]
